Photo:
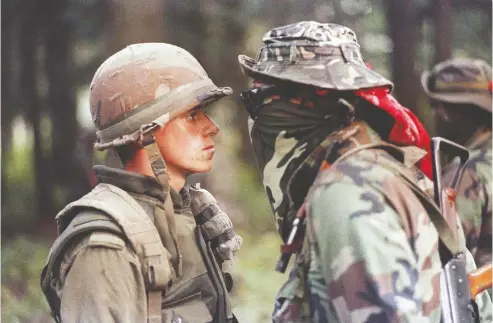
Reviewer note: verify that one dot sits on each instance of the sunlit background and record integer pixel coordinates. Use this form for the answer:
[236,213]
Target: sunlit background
[51,49]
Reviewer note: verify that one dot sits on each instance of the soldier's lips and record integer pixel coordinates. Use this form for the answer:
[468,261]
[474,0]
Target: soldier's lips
[209,148]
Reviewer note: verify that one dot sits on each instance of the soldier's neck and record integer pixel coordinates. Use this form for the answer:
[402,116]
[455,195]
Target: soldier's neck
[139,163]
[176,178]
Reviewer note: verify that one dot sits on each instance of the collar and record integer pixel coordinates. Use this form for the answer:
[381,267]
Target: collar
[337,144]
[132,182]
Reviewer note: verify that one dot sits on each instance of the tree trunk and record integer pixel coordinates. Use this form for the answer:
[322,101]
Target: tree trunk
[61,102]
[7,112]
[402,30]
[442,12]
[232,45]
[136,22]
[29,45]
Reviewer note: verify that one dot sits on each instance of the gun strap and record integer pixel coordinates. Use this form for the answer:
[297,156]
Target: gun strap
[445,232]
[450,245]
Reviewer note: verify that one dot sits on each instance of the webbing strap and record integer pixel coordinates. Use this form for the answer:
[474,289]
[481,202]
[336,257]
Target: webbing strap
[154,307]
[445,233]
[138,228]
[160,171]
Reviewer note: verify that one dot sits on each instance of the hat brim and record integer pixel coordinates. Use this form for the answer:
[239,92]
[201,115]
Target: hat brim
[326,74]
[480,99]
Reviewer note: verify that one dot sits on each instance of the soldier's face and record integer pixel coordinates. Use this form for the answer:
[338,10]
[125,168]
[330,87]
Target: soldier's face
[447,121]
[187,142]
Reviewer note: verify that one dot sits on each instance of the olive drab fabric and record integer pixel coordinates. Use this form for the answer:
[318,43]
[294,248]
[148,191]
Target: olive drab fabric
[131,202]
[131,249]
[215,223]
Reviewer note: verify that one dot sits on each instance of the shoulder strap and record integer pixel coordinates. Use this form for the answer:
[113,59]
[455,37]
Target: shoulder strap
[137,227]
[85,222]
[445,233]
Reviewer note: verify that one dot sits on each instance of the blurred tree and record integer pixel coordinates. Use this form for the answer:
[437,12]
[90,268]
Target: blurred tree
[402,29]
[8,111]
[136,22]
[186,26]
[442,14]
[30,72]
[61,102]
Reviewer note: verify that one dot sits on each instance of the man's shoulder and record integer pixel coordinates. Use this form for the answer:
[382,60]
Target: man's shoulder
[370,178]
[369,168]
[88,228]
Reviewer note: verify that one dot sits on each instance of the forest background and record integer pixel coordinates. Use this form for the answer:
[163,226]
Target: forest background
[51,49]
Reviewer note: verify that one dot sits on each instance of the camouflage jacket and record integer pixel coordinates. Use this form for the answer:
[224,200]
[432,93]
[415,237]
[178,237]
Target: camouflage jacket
[474,198]
[370,253]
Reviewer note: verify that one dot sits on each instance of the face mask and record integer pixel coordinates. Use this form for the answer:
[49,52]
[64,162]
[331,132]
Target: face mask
[285,128]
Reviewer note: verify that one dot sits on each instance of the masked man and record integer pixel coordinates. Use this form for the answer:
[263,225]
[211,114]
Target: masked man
[345,170]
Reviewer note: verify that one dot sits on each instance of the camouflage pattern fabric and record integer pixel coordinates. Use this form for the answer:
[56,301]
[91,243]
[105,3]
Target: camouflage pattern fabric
[460,80]
[291,126]
[474,198]
[323,55]
[144,86]
[371,251]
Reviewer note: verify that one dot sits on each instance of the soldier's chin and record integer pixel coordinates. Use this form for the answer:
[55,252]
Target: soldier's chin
[201,167]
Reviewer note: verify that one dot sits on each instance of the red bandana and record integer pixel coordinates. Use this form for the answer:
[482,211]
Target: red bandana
[407,130]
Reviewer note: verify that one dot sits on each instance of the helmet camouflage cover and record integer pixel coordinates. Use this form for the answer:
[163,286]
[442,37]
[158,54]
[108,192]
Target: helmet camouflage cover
[319,54]
[460,80]
[144,86]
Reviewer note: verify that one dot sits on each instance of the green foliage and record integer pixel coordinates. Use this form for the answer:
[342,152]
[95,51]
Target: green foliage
[22,298]
[18,185]
[253,199]
[256,281]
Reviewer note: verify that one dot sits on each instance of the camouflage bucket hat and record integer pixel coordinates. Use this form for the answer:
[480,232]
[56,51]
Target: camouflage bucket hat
[323,55]
[460,81]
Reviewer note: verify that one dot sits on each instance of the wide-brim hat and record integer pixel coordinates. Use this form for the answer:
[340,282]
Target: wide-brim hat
[321,55]
[459,81]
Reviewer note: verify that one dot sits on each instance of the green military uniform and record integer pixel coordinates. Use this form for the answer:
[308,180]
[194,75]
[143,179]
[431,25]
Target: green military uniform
[112,289]
[133,249]
[474,199]
[376,211]
[466,81]
[370,246]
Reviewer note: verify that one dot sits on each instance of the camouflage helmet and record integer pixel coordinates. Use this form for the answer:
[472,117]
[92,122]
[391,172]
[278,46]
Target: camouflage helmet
[144,86]
[460,80]
[323,55]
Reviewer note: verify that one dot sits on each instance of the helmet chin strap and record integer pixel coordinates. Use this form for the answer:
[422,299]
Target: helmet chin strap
[159,168]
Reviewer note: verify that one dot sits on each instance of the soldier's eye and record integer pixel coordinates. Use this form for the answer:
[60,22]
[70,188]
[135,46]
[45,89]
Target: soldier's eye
[192,115]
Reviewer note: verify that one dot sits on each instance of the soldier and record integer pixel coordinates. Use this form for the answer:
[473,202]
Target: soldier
[345,170]
[460,97]
[142,245]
